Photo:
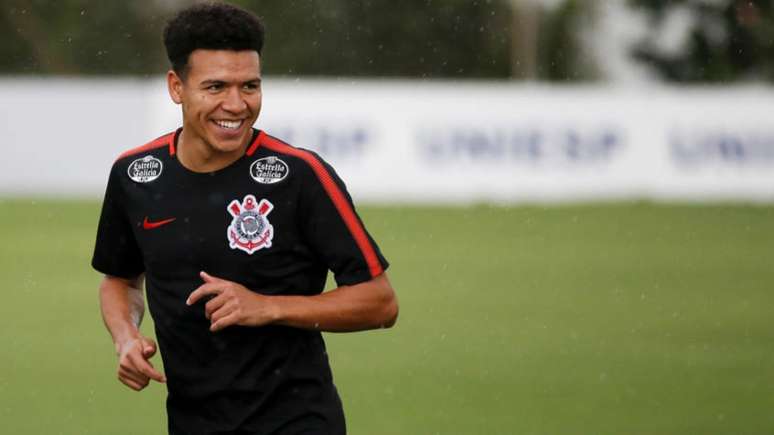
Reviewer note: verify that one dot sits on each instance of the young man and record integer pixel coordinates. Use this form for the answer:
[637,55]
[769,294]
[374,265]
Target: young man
[233,232]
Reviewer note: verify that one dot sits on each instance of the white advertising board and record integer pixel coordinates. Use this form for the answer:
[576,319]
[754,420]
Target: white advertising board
[423,141]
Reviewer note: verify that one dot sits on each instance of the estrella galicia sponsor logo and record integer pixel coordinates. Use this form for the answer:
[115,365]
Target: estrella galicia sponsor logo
[269,170]
[145,169]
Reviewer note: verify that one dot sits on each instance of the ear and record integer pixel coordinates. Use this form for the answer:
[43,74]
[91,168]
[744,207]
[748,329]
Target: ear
[175,86]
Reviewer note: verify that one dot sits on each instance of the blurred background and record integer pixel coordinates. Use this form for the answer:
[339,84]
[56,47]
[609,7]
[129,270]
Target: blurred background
[576,197]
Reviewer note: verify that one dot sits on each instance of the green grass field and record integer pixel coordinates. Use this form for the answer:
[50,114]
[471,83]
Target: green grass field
[594,319]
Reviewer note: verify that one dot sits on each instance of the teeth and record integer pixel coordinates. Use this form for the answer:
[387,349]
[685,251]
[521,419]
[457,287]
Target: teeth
[229,124]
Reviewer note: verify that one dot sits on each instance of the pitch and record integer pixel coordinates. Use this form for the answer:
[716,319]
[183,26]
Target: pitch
[610,319]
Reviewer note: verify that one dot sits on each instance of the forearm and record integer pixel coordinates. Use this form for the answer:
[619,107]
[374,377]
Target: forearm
[369,305]
[122,306]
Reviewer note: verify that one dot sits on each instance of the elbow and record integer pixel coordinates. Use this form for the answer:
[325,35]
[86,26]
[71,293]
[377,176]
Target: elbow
[390,312]
[384,304]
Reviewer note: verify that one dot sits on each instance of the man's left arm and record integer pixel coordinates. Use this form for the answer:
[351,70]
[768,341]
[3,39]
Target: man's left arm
[368,305]
[331,228]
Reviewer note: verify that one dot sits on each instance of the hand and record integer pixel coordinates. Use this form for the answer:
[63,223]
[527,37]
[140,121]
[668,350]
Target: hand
[134,369]
[232,304]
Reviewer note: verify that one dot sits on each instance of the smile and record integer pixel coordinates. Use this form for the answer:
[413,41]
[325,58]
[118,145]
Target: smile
[231,125]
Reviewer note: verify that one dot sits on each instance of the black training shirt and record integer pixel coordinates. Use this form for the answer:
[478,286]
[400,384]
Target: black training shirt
[275,221]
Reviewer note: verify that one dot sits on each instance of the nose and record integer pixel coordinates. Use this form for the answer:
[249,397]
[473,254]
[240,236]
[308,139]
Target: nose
[233,101]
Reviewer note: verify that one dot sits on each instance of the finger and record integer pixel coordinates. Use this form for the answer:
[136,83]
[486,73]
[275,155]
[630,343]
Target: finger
[225,321]
[209,278]
[131,383]
[227,308]
[133,376]
[214,305]
[203,290]
[146,368]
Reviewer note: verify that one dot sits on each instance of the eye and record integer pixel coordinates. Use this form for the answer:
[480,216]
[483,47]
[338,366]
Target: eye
[250,86]
[214,87]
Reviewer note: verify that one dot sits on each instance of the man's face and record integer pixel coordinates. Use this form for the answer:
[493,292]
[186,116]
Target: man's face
[221,98]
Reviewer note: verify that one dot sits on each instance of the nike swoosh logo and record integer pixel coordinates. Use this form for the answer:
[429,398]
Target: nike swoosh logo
[148,225]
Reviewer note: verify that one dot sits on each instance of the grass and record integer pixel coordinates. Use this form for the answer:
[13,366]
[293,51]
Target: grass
[583,319]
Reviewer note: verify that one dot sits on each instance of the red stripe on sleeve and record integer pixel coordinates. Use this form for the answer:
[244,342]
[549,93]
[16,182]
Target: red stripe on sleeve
[166,140]
[337,196]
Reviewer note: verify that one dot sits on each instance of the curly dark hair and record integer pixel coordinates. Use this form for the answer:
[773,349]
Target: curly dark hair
[213,26]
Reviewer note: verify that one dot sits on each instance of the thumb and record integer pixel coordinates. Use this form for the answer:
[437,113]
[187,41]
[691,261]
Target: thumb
[148,348]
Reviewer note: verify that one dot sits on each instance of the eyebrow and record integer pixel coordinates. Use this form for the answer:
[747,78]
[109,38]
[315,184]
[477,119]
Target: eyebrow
[218,82]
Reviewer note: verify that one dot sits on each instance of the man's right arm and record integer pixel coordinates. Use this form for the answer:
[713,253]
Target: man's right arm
[122,305]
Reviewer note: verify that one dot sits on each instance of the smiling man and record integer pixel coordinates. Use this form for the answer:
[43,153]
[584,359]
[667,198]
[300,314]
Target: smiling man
[233,232]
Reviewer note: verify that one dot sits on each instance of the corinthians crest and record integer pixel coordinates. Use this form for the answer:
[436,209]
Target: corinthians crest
[250,230]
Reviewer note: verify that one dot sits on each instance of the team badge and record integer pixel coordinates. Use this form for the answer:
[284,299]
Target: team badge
[250,230]
[269,170]
[145,169]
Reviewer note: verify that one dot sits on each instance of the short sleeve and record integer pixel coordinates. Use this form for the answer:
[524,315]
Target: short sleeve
[334,230]
[116,252]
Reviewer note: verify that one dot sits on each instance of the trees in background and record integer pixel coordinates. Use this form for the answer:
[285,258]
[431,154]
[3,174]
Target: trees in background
[69,37]
[429,38]
[449,38]
[725,40]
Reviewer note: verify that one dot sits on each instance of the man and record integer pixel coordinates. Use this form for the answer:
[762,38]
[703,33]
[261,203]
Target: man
[233,232]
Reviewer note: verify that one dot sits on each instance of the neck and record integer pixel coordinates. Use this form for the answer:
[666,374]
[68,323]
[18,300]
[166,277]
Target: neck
[198,156]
